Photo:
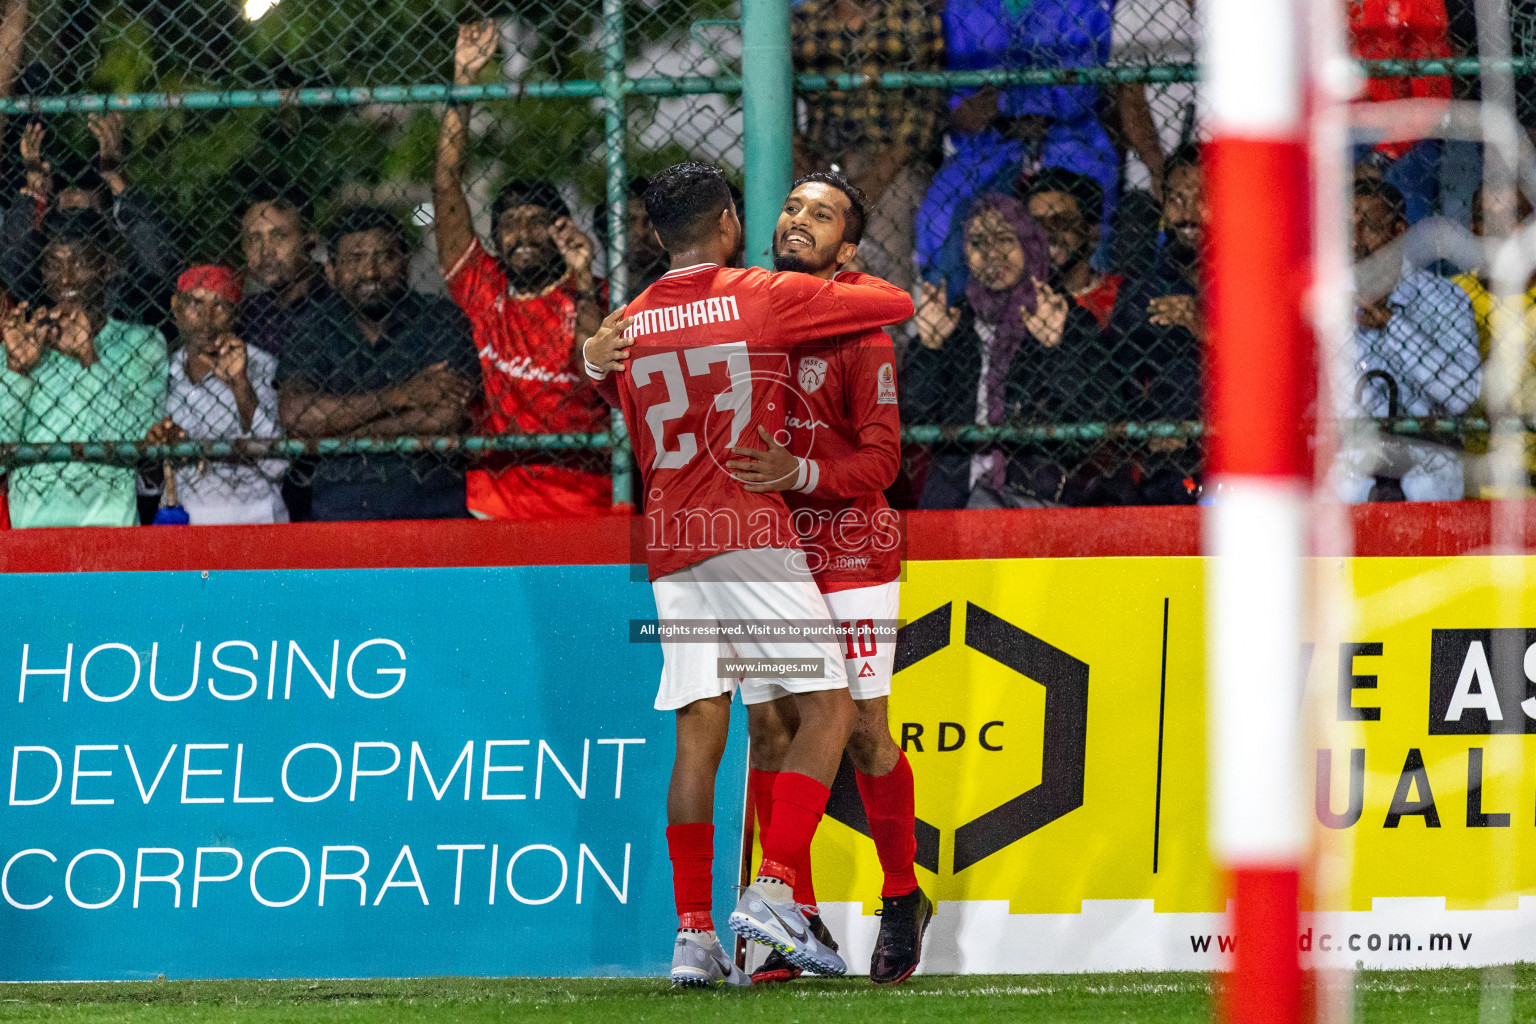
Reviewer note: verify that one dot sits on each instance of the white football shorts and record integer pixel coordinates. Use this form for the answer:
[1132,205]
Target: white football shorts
[870,659]
[752,585]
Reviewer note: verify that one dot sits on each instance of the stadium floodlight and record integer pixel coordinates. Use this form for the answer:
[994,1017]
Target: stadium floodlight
[255,10]
[1259,360]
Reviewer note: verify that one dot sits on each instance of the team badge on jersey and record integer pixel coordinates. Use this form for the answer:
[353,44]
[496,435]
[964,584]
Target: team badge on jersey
[887,394]
[813,373]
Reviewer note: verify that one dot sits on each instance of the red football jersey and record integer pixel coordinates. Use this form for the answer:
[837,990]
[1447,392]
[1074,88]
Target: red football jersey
[532,385]
[710,364]
[843,419]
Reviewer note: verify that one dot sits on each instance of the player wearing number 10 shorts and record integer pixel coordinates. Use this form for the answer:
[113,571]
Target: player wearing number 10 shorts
[707,365]
[844,450]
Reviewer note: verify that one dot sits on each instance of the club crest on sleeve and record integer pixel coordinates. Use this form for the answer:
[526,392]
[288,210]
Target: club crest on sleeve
[887,393]
[813,373]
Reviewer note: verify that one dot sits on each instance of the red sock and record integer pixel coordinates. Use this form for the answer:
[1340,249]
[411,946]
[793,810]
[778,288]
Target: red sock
[761,785]
[805,888]
[888,802]
[692,848]
[798,803]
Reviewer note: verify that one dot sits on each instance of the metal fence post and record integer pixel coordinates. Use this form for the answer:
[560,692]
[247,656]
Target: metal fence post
[614,130]
[768,119]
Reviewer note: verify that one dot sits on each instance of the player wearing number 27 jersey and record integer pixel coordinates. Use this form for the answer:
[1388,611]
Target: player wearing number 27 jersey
[708,365]
[713,358]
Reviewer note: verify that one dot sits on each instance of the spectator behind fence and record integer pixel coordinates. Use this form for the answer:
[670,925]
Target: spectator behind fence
[1150,32]
[1154,341]
[1403,30]
[220,390]
[1508,209]
[139,289]
[74,373]
[1416,354]
[1014,349]
[881,139]
[377,360]
[282,279]
[283,283]
[643,254]
[1067,205]
[1492,220]
[993,132]
[528,307]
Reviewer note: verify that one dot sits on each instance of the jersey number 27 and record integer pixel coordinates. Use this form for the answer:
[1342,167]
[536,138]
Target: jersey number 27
[737,400]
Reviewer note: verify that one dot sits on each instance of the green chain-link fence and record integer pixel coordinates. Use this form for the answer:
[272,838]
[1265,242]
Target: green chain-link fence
[392,342]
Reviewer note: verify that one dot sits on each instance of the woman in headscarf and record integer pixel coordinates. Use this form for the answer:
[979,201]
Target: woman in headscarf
[1012,351]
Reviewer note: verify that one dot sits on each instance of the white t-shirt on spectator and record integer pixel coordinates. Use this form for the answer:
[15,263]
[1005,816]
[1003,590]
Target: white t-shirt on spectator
[1158,32]
[227,492]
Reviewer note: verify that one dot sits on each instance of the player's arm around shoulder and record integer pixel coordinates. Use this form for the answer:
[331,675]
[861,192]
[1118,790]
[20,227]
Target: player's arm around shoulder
[607,351]
[875,291]
[806,308]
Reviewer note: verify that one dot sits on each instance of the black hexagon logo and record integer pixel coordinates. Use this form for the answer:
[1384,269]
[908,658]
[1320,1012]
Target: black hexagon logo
[1062,772]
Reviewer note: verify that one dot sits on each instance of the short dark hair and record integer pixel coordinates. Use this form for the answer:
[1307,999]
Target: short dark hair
[360,219]
[286,198]
[637,186]
[1187,155]
[684,201]
[1389,194]
[527,192]
[69,227]
[858,202]
[1087,192]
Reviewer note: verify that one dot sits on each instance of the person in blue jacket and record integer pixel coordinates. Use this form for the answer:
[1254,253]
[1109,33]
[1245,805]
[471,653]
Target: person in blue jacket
[996,132]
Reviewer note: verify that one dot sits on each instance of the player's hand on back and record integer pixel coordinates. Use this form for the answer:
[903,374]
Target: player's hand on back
[772,470]
[608,349]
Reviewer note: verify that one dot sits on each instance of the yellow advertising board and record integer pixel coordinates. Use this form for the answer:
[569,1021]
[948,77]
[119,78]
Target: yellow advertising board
[1053,711]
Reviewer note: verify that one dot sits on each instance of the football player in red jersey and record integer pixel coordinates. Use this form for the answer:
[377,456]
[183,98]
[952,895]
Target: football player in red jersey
[703,360]
[848,435]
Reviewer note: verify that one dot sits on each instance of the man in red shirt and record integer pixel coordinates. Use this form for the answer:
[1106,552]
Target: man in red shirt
[710,365]
[843,451]
[527,305]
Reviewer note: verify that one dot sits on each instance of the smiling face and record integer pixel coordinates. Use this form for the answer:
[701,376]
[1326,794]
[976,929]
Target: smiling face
[993,252]
[369,271]
[524,241]
[1184,209]
[1065,226]
[809,235]
[74,273]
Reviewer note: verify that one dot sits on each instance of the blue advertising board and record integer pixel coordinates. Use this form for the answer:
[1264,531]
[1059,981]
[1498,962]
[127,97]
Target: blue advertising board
[338,773]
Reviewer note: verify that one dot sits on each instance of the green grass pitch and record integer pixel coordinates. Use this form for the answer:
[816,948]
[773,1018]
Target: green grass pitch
[1501,995]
